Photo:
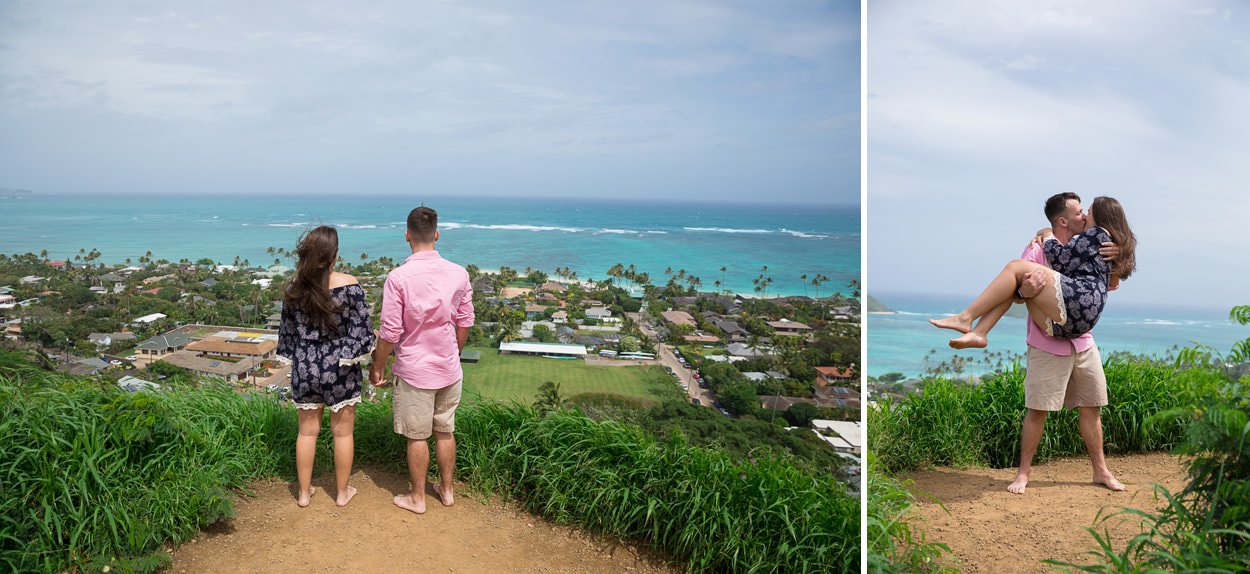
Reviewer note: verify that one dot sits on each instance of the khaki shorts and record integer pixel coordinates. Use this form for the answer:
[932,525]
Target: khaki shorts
[420,411]
[1055,381]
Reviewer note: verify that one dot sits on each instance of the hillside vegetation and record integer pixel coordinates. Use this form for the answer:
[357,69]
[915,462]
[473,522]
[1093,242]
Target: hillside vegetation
[96,477]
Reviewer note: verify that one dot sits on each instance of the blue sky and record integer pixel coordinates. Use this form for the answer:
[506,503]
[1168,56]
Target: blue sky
[977,112]
[650,99]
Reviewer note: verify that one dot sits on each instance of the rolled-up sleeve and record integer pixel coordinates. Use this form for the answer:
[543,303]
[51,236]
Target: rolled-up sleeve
[464,311]
[392,318]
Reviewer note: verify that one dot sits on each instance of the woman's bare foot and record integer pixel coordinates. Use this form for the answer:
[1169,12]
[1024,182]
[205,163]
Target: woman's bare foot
[954,322]
[303,500]
[346,496]
[969,341]
[408,502]
[448,499]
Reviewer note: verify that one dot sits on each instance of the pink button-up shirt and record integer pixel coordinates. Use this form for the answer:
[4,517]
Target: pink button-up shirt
[424,300]
[1037,337]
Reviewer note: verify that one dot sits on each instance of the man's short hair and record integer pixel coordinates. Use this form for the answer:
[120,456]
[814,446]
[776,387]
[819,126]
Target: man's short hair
[1055,206]
[422,222]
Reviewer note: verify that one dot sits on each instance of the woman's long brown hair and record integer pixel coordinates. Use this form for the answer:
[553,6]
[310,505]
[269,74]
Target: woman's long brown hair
[1109,215]
[318,249]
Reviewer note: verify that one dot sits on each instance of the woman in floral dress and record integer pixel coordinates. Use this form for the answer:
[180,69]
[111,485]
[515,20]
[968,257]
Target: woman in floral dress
[325,332]
[1071,302]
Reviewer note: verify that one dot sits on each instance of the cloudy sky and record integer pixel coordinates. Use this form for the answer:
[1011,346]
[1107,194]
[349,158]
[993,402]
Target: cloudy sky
[650,99]
[977,112]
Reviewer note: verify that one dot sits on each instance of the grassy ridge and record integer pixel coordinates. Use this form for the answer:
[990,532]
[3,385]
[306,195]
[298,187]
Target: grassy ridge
[950,423]
[92,476]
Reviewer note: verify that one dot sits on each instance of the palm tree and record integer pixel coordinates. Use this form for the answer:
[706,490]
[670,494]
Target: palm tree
[549,398]
[803,280]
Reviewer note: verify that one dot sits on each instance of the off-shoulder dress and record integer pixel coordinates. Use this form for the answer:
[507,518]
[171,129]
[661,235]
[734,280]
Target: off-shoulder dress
[1081,277]
[325,369]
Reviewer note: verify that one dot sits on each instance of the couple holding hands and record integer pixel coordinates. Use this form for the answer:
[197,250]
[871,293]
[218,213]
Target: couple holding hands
[326,332]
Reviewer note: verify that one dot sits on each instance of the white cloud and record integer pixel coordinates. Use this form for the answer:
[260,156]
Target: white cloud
[978,112]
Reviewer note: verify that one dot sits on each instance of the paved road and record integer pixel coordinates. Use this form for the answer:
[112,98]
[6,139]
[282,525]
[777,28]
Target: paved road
[666,357]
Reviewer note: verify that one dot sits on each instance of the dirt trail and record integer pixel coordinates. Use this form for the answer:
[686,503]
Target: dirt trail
[272,534]
[992,530]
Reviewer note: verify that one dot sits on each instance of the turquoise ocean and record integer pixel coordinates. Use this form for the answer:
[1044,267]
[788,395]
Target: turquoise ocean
[902,341]
[586,235]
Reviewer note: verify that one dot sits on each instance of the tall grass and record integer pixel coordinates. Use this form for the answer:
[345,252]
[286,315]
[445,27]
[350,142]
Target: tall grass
[951,423]
[895,541]
[1206,527]
[92,476]
[700,505]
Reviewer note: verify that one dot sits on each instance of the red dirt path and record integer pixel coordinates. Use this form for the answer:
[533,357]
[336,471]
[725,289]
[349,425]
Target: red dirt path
[992,530]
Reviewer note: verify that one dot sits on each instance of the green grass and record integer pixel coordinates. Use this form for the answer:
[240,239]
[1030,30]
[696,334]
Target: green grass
[954,424]
[507,378]
[895,541]
[91,476]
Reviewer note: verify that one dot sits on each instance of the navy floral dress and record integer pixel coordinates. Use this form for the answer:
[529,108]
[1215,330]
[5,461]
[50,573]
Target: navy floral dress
[325,367]
[1082,278]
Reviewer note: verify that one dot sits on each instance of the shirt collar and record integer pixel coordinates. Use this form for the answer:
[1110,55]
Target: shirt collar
[423,256]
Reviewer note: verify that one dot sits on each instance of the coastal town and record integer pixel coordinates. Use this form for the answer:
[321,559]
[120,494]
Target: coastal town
[791,361]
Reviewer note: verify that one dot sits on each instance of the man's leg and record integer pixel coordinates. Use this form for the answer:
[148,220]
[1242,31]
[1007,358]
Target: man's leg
[418,465]
[414,412]
[445,451]
[1030,437]
[1088,392]
[1091,432]
[446,401]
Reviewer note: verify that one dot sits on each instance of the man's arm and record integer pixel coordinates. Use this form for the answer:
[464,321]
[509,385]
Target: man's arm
[378,368]
[1030,285]
[462,337]
[1109,251]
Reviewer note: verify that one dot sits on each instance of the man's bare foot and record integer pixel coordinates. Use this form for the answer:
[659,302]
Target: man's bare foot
[346,496]
[969,341]
[1108,481]
[304,501]
[447,499]
[408,502]
[954,322]
[1017,486]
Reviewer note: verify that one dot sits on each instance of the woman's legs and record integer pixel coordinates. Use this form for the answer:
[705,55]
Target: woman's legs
[305,450]
[342,423]
[998,293]
[978,337]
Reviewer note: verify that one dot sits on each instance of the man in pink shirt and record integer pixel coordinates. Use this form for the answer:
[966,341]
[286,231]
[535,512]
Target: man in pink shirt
[1060,372]
[427,310]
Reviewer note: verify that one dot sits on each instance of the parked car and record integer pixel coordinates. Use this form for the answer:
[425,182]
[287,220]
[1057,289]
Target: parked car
[132,358]
[115,363]
[695,401]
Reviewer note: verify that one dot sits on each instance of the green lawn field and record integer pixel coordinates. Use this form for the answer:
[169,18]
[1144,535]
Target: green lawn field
[516,377]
